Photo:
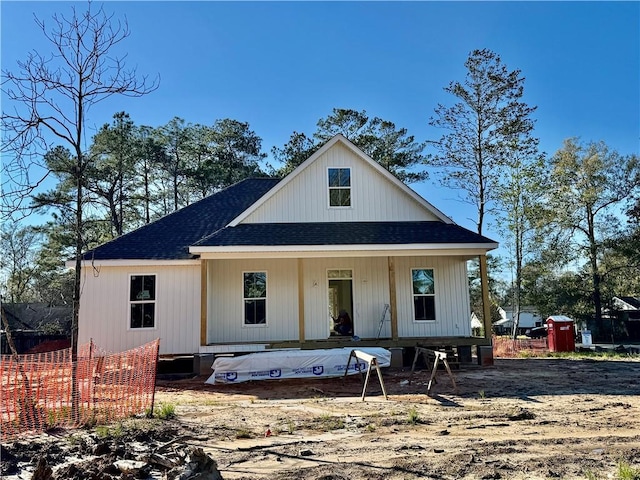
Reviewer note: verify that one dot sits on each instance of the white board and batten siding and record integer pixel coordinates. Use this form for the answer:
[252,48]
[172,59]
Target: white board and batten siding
[370,282]
[452,302]
[306,197]
[225,307]
[104,311]
[225,300]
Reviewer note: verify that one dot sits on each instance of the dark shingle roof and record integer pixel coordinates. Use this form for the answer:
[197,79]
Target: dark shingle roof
[203,224]
[169,238]
[344,233]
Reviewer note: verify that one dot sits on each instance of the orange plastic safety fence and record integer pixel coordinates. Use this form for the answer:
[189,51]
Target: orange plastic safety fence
[508,347]
[38,390]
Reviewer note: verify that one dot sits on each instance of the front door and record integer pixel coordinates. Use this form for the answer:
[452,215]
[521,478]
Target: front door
[340,302]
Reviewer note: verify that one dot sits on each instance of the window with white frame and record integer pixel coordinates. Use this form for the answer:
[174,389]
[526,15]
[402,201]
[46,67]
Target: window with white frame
[142,301]
[424,294]
[339,187]
[255,298]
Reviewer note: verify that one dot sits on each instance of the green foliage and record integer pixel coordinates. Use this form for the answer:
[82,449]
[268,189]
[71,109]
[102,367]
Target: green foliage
[588,183]
[108,431]
[565,293]
[591,355]
[57,415]
[244,433]
[390,146]
[236,152]
[413,416]
[490,156]
[621,257]
[589,475]
[18,247]
[198,160]
[627,472]
[166,411]
[328,422]
[349,123]
[111,172]
[580,355]
[31,269]
[624,471]
[526,354]
[487,124]
[74,439]
[291,427]
[496,288]
[293,153]
[131,175]
[523,184]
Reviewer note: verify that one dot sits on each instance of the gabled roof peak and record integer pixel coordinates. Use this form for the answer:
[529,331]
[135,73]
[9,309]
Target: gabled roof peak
[339,138]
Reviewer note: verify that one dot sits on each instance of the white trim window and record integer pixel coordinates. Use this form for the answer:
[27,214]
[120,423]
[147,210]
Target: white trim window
[254,297]
[142,301]
[339,181]
[424,294]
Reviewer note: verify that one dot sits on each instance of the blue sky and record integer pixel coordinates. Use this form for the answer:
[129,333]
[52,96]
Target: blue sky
[283,65]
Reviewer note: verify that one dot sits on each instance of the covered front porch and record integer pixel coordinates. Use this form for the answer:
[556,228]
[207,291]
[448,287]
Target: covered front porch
[300,296]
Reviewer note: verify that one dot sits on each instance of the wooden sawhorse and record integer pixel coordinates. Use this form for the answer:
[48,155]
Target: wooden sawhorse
[439,356]
[373,365]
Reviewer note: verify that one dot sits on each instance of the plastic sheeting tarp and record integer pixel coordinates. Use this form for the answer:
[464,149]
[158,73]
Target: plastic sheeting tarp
[293,364]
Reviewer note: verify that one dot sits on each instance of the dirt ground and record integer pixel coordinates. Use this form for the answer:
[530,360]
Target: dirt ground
[534,418]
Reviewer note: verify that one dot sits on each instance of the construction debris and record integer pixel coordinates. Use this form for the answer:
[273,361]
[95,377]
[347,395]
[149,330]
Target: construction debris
[141,455]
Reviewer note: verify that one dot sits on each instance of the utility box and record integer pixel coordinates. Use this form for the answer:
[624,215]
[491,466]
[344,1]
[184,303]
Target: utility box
[560,334]
[464,353]
[396,357]
[485,355]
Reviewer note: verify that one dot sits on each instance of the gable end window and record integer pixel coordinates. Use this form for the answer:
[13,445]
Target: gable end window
[424,294]
[339,187]
[142,301]
[255,298]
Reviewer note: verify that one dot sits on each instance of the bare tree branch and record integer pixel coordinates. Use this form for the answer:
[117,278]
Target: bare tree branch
[49,100]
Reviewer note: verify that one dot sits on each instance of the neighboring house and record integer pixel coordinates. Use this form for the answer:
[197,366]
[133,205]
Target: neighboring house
[267,263]
[529,318]
[628,306]
[476,324]
[37,325]
[628,312]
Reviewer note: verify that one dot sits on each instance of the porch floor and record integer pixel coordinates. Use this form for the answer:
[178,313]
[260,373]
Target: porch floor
[340,342]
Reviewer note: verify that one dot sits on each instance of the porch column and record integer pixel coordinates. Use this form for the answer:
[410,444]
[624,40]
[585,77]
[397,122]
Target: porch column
[484,284]
[393,304]
[301,301]
[203,302]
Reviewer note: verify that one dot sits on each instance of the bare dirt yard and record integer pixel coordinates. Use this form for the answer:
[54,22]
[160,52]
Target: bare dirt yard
[533,418]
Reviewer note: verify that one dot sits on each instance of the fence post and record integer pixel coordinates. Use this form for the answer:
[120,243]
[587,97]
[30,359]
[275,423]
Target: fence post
[91,385]
[155,379]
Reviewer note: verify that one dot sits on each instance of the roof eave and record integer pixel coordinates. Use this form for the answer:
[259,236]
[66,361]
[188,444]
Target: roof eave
[368,250]
[133,262]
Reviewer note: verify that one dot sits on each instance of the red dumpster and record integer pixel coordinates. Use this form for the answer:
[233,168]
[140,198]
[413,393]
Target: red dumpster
[560,334]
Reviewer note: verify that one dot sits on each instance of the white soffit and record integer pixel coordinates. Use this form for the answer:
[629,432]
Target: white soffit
[316,251]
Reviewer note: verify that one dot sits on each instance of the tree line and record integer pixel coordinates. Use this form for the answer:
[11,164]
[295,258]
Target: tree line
[570,220]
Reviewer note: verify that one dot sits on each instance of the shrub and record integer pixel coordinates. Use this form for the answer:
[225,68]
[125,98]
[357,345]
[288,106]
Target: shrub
[166,411]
